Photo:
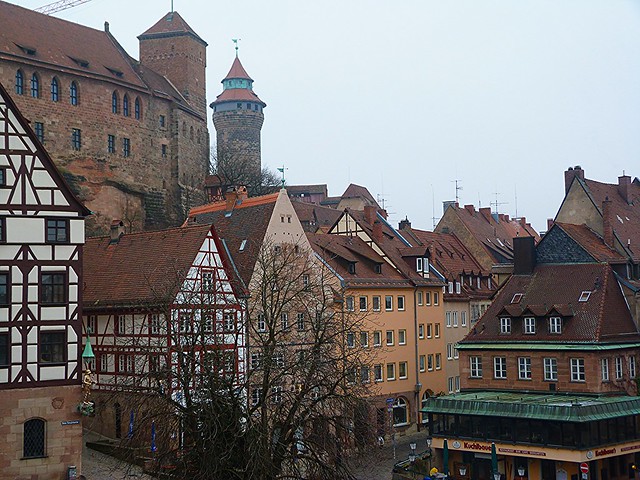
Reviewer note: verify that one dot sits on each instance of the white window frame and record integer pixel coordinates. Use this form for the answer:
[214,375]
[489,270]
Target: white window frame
[389,339]
[454,318]
[388,303]
[421,331]
[447,317]
[378,373]
[261,323]
[363,300]
[632,367]
[420,296]
[376,300]
[377,338]
[604,368]
[524,368]
[364,339]
[463,318]
[351,340]
[402,337]
[401,303]
[422,362]
[555,325]
[619,362]
[475,367]
[449,351]
[500,368]
[577,370]
[505,325]
[550,369]
[529,325]
[406,370]
[393,371]
[419,264]
[349,303]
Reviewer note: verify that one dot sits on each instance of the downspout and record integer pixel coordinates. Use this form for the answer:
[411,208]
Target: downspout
[418,386]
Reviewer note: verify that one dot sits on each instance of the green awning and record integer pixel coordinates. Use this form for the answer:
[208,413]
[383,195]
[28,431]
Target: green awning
[550,407]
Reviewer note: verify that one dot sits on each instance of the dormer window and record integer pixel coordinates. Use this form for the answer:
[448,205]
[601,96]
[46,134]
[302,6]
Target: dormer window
[516,298]
[584,296]
[555,325]
[505,325]
[457,287]
[529,325]
[418,265]
[377,268]
[450,287]
[352,267]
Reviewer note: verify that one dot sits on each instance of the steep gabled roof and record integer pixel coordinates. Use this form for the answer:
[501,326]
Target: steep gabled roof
[358,191]
[171,25]
[603,317]
[237,71]
[591,242]
[315,217]
[140,268]
[45,40]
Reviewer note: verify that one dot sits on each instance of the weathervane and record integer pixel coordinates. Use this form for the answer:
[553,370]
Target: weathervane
[236,40]
[281,170]
[171,6]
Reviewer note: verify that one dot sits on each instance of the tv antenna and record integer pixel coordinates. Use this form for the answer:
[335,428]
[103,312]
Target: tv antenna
[54,7]
[458,188]
[497,203]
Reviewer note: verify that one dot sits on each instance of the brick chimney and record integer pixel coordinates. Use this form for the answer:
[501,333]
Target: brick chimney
[235,196]
[377,231]
[383,213]
[524,255]
[624,182]
[470,209]
[607,222]
[570,174]
[404,224]
[486,213]
[116,231]
[550,223]
[369,214]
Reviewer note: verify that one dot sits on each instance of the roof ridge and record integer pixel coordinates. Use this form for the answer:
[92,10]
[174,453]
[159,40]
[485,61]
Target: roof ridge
[248,202]
[605,285]
[182,227]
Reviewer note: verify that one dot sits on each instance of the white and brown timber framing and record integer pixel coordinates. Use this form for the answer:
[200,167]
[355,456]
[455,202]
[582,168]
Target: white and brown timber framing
[32,192]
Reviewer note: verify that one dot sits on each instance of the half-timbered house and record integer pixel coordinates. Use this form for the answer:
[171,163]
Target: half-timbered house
[41,238]
[151,300]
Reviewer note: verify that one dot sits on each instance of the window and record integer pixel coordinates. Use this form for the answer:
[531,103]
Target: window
[499,367]
[154,322]
[619,369]
[475,365]
[256,359]
[305,278]
[505,325]
[73,93]
[447,316]
[125,363]
[276,394]
[427,298]
[351,339]
[400,412]
[377,372]
[632,367]
[54,289]
[39,131]
[104,362]
[429,330]
[125,105]
[163,121]
[300,321]
[422,363]
[550,369]
[391,371]
[55,90]
[402,337]
[529,325]
[126,147]
[524,368]
[256,396]
[577,370]
[418,264]
[111,143]
[363,304]
[19,82]
[421,331]
[53,347]
[3,176]
[114,102]
[435,298]
[604,364]
[278,359]
[137,109]
[76,139]
[121,324]
[455,352]
[207,280]
[4,349]
[389,337]
[376,303]
[555,325]
[365,375]
[457,287]
[450,287]
[364,339]
[450,384]
[261,323]
[430,362]
[584,296]
[377,338]
[229,321]
[420,298]
[388,302]
[449,351]
[437,330]
[463,318]
[57,231]
[163,150]
[454,316]
[402,370]
[438,361]
[35,86]
[34,438]
[284,321]
[92,320]
[349,303]
[400,302]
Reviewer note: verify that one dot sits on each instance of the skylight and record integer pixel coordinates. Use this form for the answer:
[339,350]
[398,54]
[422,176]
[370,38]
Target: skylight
[516,298]
[243,244]
[584,296]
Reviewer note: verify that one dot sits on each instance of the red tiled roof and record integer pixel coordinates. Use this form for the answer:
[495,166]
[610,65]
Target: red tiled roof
[311,215]
[58,42]
[238,95]
[222,206]
[604,317]
[591,242]
[237,71]
[171,24]
[140,268]
[357,191]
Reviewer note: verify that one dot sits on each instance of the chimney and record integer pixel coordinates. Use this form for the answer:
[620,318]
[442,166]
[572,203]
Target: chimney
[470,209]
[550,223]
[524,255]
[106,27]
[486,213]
[384,213]
[624,182]
[377,231]
[369,214]
[447,204]
[570,174]
[404,224]
[607,222]
[117,230]
[523,222]
[230,197]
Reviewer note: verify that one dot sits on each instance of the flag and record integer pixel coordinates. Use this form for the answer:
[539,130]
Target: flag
[153,437]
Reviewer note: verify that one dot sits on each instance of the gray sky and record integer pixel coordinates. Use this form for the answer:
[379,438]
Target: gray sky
[406,96]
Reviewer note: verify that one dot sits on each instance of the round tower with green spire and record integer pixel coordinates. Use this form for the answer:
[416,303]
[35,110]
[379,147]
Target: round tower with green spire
[238,118]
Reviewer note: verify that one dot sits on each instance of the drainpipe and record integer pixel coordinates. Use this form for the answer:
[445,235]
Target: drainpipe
[418,386]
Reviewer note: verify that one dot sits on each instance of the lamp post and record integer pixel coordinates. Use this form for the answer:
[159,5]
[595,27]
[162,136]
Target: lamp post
[429,441]
[463,470]
[521,472]
[412,455]
[87,380]
[496,475]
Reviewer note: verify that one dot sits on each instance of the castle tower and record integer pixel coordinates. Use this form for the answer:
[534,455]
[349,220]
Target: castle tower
[171,48]
[238,118]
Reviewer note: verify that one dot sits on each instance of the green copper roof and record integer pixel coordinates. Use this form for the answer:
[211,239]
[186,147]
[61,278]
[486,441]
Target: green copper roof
[562,408]
[546,346]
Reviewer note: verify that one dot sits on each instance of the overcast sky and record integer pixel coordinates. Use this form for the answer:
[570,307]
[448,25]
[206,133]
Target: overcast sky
[406,96]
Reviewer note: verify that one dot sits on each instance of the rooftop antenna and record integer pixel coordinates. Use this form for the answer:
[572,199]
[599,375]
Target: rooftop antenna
[171,6]
[281,170]
[497,203]
[458,188]
[234,40]
[515,188]
[433,208]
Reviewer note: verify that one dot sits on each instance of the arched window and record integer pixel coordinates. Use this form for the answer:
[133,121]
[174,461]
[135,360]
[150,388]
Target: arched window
[400,412]
[114,102]
[125,105]
[19,82]
[35,86]
[73,93]
[138,109]
[198,136]
[34,436]
[191,133]
[55,91]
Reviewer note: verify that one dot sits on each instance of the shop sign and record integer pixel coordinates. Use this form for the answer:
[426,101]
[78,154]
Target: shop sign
[605,451]
[533,453]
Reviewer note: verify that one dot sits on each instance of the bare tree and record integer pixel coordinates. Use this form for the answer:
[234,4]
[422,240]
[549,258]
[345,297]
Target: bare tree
[237,169]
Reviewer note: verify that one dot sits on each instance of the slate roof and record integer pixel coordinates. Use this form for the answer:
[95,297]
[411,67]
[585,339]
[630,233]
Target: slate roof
[604,317]
[592,242]
[248,221]
[314,217]
[141,268]
[171,25]
[58,42]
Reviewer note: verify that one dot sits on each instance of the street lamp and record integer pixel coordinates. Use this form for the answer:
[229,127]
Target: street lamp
[412,455]
[429,441]
[496,476]
[521,471]
[463,470]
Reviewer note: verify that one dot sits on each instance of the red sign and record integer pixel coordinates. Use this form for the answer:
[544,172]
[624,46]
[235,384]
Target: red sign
[584,468]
